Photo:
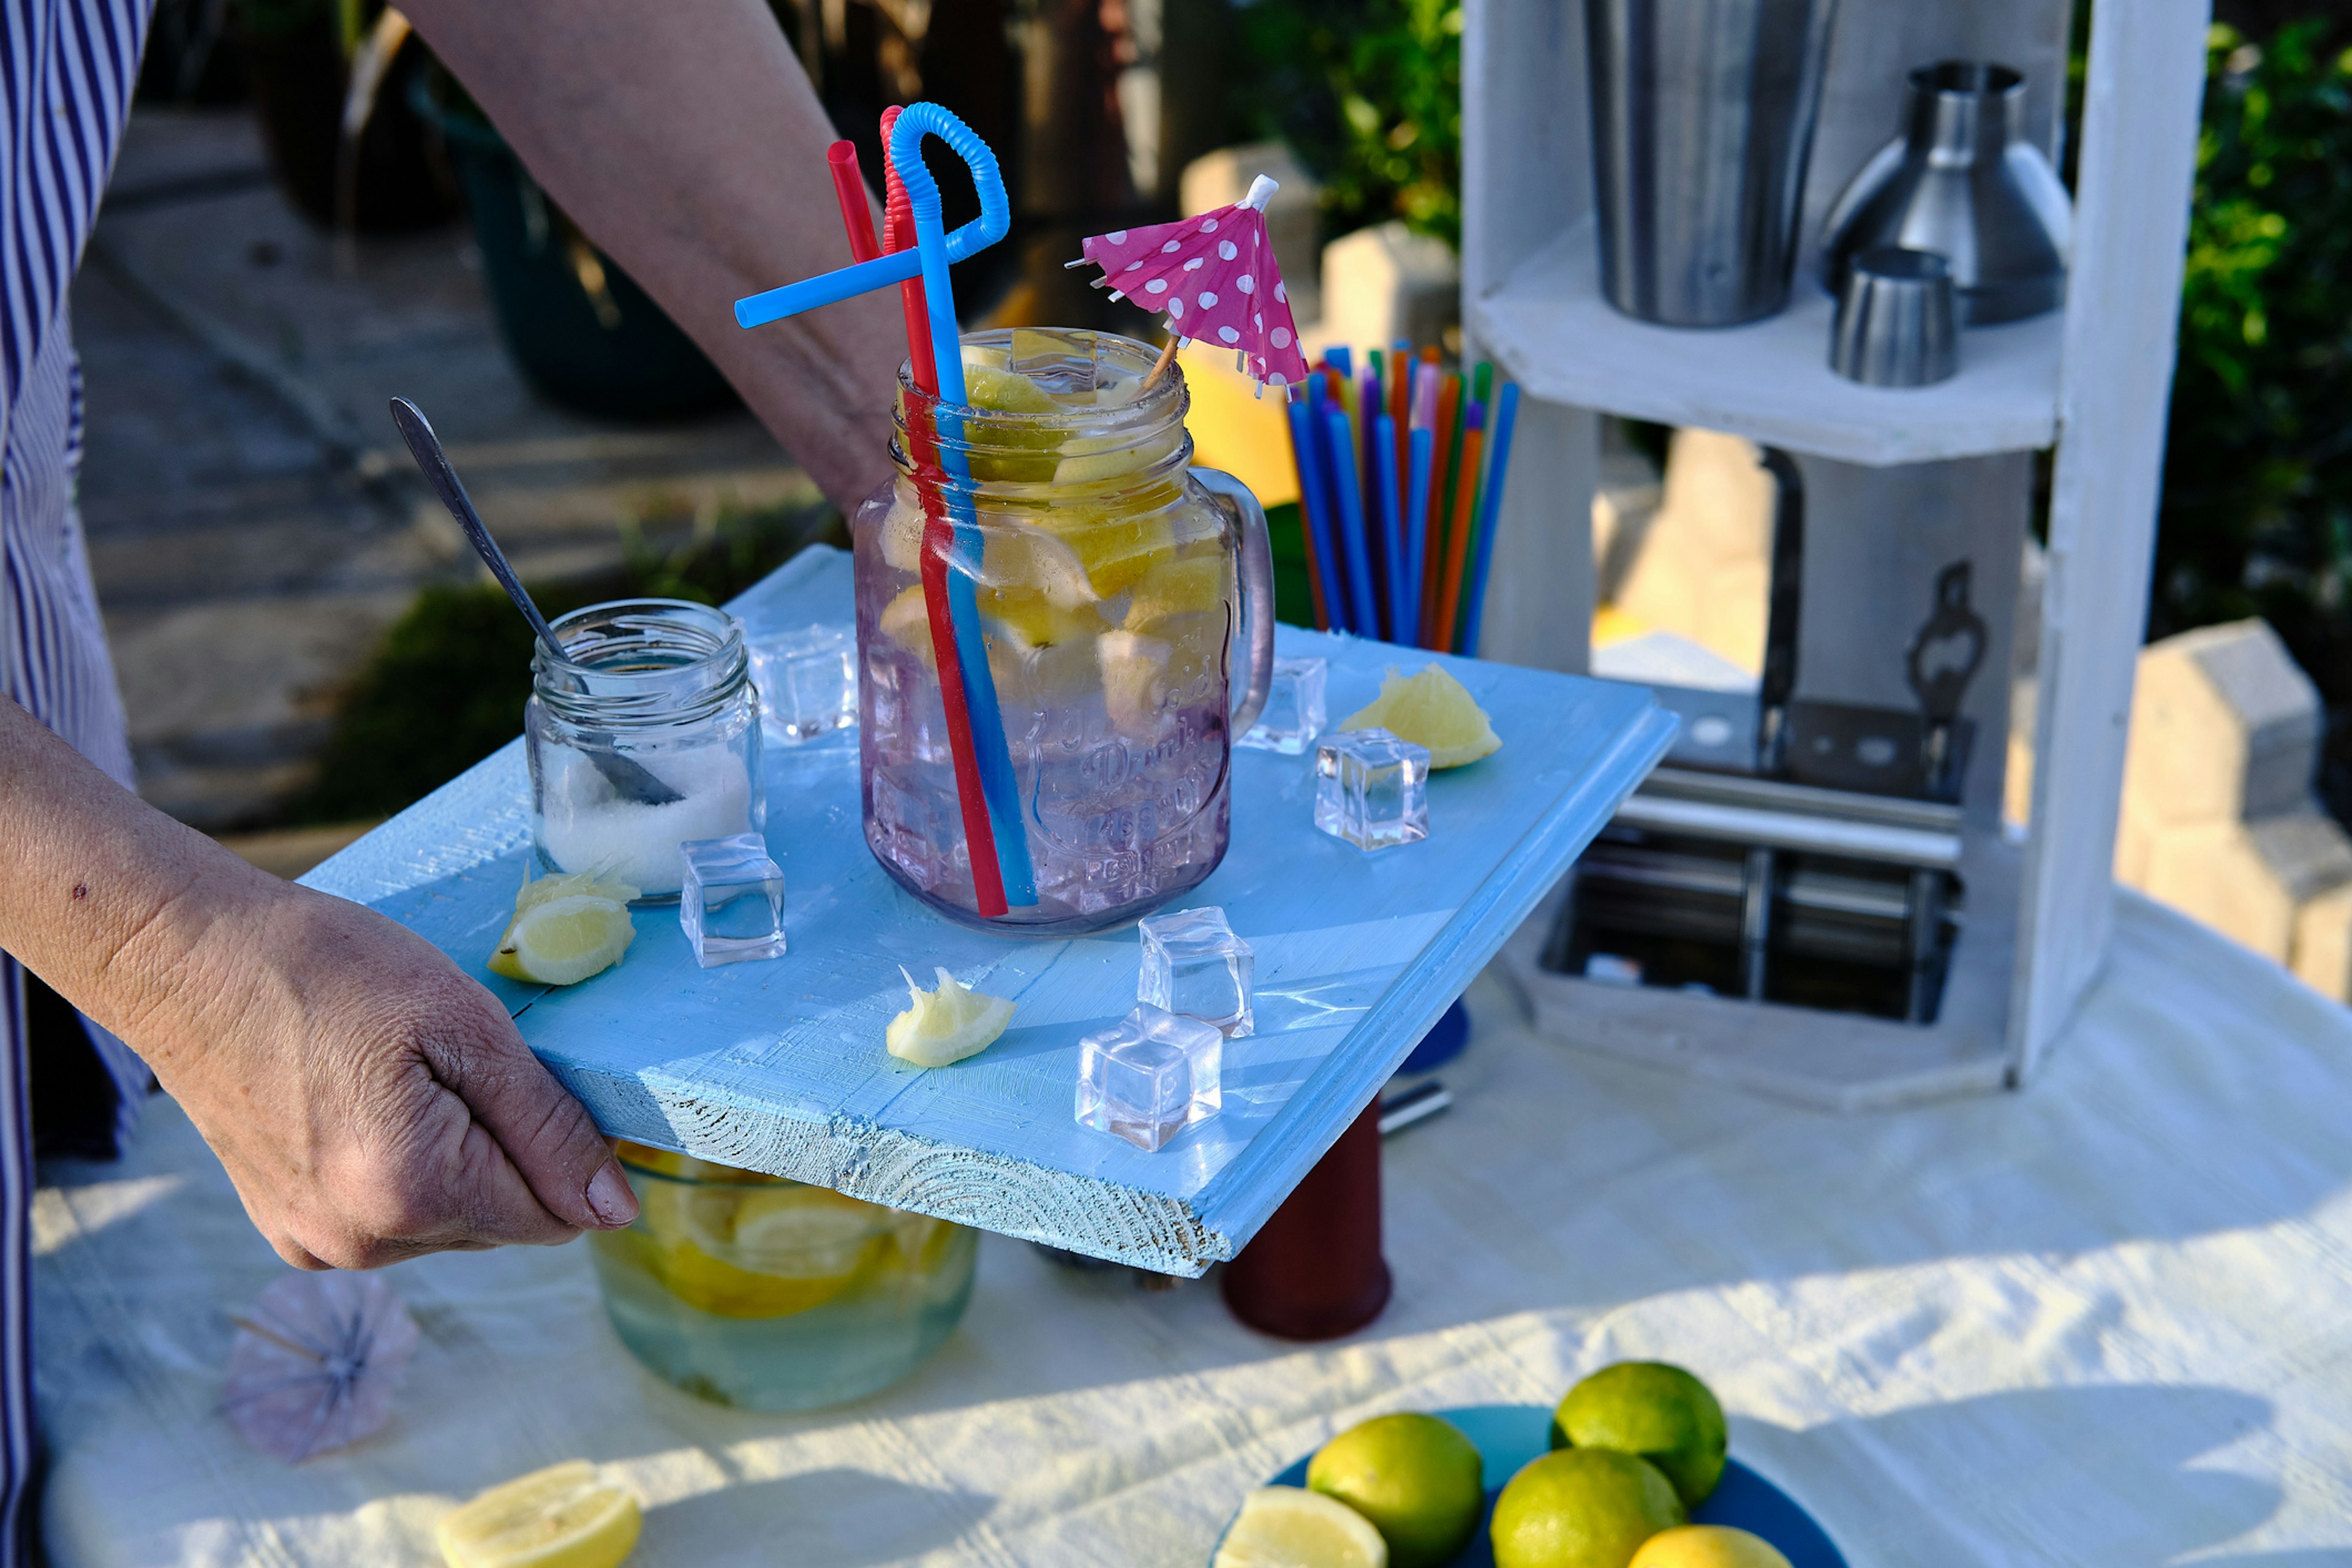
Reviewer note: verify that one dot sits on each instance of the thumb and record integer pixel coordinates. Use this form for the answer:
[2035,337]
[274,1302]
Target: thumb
[547,1134]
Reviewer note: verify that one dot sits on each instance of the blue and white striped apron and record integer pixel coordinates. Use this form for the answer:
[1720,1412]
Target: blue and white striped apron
[67,70]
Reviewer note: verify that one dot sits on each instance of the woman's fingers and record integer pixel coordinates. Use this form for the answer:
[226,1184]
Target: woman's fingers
[546,1135]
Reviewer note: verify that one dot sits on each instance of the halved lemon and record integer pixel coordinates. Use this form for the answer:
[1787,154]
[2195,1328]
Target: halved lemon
[565,1516]
[946,1024]
[1429,709]
[563,940]
[1289,1527]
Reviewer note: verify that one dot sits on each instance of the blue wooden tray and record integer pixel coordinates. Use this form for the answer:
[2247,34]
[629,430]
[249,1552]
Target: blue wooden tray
[1508,1435]
[779,1066]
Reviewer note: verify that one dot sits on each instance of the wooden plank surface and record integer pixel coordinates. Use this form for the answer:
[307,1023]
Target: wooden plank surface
[780,1066]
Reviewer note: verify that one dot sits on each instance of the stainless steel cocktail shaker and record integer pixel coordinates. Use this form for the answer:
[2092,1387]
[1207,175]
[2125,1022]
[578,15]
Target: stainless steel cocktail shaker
[1703,116]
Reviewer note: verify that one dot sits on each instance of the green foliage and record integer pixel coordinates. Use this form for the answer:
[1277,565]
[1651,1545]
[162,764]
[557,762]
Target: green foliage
[2257,506]
[1370,93]
[446,686]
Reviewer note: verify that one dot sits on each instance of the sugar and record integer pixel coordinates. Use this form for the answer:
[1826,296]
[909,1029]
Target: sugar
[585,826]
[1149,1076]
[1194,965]
[807,681]
[731,906]
[1371,789]
[1294,712]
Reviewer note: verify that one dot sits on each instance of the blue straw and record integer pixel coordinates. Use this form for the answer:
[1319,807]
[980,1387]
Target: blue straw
[1340,442]
[1416,528]
[1314,499]
[1384,470]
[988,743]
[1498,464]
[1337,357]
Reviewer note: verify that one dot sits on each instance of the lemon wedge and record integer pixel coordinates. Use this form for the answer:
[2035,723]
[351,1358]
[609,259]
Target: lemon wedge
[1135,681]
[946,1024]
[565,1516]
[1003,391]
[905,621]
[1429,709]
[565,929]
[1289,1527]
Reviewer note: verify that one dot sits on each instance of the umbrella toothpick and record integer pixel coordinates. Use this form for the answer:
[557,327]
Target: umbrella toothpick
[1160,366]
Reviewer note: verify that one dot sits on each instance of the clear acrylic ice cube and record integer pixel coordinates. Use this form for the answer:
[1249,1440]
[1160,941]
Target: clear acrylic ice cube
[1294,710]
[807,681]
[1372,790]
[1194,965]
[732,905]
[1149,1076]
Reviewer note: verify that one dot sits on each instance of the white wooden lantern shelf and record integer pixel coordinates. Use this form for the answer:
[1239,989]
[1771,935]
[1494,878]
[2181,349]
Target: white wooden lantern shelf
[1897,484]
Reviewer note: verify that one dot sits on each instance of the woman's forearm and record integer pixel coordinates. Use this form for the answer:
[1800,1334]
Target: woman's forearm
[107,897]
[684,137]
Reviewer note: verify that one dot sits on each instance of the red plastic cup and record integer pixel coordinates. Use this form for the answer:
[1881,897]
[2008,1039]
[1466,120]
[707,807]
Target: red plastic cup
[1315,1271]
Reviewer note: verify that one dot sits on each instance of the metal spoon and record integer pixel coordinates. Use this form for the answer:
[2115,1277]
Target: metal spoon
[627,777]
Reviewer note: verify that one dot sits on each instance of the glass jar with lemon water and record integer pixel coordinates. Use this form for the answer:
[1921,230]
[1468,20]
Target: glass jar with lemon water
[1126,600]
[769,1294]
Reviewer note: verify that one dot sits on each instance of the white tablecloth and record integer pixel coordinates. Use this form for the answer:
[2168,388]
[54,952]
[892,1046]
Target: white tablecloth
[2107,1320]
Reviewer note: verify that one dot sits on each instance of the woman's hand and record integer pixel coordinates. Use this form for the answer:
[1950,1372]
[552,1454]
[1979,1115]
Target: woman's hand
[369,1101]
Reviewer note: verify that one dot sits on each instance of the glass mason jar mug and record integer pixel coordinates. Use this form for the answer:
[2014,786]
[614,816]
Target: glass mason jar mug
[1125,605]
[644,736]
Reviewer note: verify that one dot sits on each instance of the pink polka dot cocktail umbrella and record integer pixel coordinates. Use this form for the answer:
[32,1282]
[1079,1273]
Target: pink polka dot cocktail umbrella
[1215,279]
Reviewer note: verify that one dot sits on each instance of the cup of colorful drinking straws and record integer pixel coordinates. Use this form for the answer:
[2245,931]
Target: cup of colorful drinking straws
[1401,473]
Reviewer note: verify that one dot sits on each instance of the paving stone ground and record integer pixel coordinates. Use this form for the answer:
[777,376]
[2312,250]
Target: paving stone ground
[253,519]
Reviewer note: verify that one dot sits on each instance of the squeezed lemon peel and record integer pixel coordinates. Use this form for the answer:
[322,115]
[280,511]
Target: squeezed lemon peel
[947,1024]
[1430,708]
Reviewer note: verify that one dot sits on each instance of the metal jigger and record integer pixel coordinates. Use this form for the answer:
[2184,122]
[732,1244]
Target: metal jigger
[1896,320]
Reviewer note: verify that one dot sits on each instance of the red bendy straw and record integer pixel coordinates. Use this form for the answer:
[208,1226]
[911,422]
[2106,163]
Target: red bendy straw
[939,533]
[849,190]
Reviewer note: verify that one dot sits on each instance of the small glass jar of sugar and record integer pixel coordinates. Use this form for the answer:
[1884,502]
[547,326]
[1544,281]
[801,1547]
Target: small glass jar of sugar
[644,734]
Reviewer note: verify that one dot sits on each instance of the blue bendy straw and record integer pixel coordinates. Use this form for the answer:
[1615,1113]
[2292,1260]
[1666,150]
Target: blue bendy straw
[1339,442]
[988,743]
[1384,468]
[1498,466]
[933,251]
[1338,359]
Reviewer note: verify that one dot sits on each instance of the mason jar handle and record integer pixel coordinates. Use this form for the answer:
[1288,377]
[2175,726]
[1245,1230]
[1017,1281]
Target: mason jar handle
[1258,596]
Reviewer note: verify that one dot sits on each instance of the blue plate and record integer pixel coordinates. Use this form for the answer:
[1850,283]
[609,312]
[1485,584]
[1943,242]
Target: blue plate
[1508,1435]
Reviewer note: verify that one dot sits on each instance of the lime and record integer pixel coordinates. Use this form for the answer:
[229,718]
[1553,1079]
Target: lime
[1415,1476]
[1581,1507]
[1429,709]
[563,940]
[565,1516]
[946,1024]
[1707,1546]
[1658,1411]
[1283,1526]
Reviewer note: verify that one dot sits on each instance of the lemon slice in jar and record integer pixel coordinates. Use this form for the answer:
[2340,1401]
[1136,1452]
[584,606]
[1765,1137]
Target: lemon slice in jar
[565,1516]
[768,1251]
[947,1024]
[565,929]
